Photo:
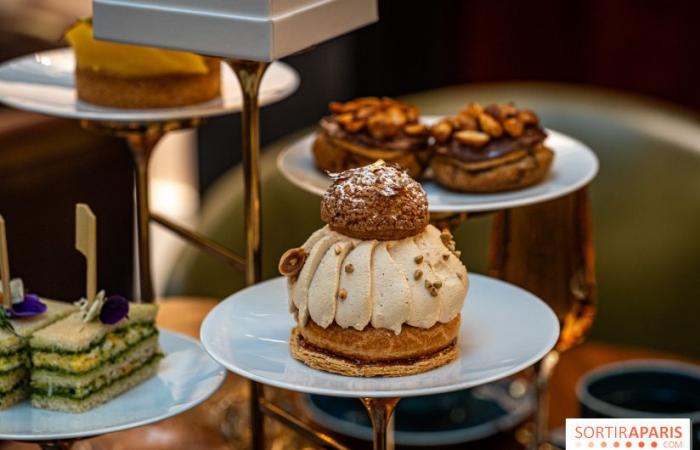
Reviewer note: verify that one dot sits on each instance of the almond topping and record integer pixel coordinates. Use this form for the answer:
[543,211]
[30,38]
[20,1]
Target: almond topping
[437,284]
[433,292]
[342,294]
[414,129]
[513,127]
[469,137]
[441,131]
[490,125]
[446,256]
[335,107]
[474,109]
[364,112]
[396,116]
[349,268]
[418,259]
[417,274]
[528,117]
[344,118]
[355,126]
[292,261]
[465,122]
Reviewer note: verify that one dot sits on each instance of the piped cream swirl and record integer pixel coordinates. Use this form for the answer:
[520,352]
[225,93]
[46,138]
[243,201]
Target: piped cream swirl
[355,283]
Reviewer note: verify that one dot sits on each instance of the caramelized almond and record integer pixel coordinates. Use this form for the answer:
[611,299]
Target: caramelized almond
[471,137]
[490,125]
[513,127]
[441,131]
[355,126]
[414,129]
[474,109]
[528,117]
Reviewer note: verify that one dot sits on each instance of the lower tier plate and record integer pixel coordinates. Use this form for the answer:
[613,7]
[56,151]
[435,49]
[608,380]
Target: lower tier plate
[186,377]
[504,329]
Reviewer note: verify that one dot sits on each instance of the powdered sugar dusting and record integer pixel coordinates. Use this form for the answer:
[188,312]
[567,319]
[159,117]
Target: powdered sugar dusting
[377,196]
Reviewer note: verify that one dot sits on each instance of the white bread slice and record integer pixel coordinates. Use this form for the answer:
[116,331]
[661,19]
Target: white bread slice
[73,335]
[55,310]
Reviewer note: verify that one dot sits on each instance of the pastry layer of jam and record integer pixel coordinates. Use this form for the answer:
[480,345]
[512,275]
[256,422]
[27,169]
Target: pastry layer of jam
[496,148]
[375,362]
[400,142]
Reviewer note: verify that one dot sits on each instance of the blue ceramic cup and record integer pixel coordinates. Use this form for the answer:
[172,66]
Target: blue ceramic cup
[642,389]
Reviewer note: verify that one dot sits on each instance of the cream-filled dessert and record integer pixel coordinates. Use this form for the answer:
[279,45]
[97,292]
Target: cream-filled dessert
[378,291]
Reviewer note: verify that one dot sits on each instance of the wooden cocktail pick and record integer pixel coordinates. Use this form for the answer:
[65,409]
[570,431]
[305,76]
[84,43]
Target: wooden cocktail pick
[85,243]
[4,267]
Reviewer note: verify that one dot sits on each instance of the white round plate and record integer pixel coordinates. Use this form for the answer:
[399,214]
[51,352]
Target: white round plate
[504,330]
[574,166]
[187,376]
[44,83]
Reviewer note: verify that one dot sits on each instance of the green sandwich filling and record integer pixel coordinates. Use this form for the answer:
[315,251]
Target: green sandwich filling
[10,361]
[105,351]
[22,383]
[84,392]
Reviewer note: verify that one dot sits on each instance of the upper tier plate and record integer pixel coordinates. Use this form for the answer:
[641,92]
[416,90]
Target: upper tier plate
[574,166]
[44,83]
[186,377]
[504,329]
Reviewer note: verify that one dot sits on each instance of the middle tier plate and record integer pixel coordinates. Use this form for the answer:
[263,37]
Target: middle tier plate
[504,329]
[574,166]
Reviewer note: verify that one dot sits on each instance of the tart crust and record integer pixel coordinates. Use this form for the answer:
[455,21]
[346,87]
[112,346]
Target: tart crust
[375,351]
[336,155]
[343,366]
[149,92]
[529,169]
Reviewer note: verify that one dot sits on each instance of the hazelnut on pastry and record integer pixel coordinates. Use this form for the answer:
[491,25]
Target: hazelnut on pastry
[378,291]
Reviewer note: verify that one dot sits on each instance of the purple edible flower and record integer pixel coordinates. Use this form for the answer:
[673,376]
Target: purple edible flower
[114,309]
[30,306]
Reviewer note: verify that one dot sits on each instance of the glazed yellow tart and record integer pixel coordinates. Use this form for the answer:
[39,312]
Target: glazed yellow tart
[130,76]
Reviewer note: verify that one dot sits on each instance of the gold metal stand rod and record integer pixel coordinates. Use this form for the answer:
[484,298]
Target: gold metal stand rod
[380,411]
[142,146]
[202,242]
[142,137]
[299,426]
[250,74]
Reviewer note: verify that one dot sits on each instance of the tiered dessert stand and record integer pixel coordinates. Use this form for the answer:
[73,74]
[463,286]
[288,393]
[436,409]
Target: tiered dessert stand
[44,83]
[261,355]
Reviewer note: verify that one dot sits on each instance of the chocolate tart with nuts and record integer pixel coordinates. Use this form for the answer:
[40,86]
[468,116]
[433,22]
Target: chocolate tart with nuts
[378,291]
[491,149]
[361,131]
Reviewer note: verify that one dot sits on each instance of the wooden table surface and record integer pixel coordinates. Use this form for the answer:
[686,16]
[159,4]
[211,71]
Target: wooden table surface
[201,427]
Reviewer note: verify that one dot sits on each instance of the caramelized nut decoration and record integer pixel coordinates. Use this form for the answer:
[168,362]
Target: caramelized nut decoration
[479,134]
